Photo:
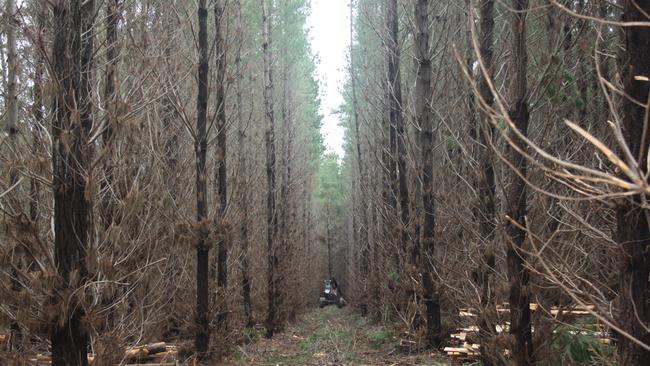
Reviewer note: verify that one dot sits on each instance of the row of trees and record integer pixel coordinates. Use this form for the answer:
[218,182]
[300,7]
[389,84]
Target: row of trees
[497,152]
[136,133]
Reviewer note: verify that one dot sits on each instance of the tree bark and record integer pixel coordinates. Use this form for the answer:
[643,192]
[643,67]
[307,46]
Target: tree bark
[202,341]
[516,197]
[170,24]
[11,128]
[11,101]
[397,137]
[243,168]
[633,231]
[284,205]
[72,61]
[37,111]
[390,150]
[221,177]
[398,120]
[424,118]
[271,218]
[363,227]
[328,240]
[486,212]
[110,105]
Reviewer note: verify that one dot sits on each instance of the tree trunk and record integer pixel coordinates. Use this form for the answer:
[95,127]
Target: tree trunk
[221,177]
[633,232]
[486,213]
[396,164]
[388,146]
[11,128]
[397,119]
[170,24]
[424,118]
[243,169]
[72,61]
[37,112]
[202,341]
[110,106]
[284,207]
[271,218]
[11,101]
[328,240]
[520,322]
[363,229]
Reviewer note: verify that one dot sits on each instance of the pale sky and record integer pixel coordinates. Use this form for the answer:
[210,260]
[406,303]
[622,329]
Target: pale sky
[329,25]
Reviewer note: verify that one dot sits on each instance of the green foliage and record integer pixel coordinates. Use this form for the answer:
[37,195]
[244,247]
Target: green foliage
[330,190]
[322,337]
[239,356]
[474,363]
[394,277]
[452,144]
[311,343]
[502,125]
[294,50]
[379,337]
[251,335]
[577,346]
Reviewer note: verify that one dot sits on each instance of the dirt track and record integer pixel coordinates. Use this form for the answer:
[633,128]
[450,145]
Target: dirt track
[329,336]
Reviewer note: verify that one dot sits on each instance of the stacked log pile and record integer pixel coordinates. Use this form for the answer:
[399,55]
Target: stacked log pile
[154,354]
[464,343]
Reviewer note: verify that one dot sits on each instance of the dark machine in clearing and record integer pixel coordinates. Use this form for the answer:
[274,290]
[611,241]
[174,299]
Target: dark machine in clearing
[331,295]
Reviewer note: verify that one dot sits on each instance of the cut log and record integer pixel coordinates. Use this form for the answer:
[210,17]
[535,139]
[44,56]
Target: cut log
[46,360]
[462,336]
[146,350]
[461,351]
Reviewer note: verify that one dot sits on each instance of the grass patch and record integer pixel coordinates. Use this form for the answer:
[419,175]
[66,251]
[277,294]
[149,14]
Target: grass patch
[239,355]
[379,337]
[327,313]
[251,335]
[319,339]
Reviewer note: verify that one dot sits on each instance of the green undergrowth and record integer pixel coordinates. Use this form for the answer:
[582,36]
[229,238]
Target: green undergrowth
[330,336]
[251,335]
[380,337]
[577,344]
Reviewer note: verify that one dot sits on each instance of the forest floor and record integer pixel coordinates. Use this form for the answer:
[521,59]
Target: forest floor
[330,336]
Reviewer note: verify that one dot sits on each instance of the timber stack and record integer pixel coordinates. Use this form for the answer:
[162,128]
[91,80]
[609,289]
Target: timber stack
[464,343]
[153,354]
